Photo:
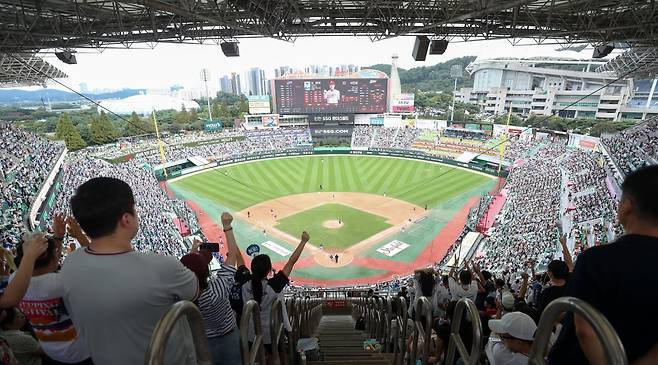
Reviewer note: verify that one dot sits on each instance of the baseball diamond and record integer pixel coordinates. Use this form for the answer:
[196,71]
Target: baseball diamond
[351,205]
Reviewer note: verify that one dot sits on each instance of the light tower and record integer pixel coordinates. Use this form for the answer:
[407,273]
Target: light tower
[205,76]
[395,88]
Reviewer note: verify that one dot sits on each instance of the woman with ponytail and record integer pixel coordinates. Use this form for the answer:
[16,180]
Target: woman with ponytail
[265,291]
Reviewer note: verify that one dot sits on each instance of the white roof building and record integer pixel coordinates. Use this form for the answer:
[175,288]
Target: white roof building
[145,104]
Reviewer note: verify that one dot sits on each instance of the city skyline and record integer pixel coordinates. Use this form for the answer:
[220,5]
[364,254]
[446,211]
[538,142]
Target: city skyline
[179,64]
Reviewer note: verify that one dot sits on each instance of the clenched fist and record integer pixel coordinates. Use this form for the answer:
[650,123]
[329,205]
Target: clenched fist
[227,219]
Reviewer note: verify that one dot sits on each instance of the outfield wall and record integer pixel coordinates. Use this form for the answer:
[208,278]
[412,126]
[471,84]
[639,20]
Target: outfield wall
[476,165]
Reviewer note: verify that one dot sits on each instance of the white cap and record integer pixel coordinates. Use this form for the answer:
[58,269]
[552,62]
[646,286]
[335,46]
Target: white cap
[516,324]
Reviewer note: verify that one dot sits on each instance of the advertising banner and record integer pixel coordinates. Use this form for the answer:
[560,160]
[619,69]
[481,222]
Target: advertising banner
[212,126]
[323,131]
[259,104]
[270,121]
[331,118]
[334,95]
[403,103]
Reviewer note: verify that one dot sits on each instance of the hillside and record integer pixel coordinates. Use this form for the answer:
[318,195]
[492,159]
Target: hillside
[430,78]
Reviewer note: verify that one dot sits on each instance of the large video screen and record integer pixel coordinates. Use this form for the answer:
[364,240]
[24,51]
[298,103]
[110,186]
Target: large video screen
[331,96]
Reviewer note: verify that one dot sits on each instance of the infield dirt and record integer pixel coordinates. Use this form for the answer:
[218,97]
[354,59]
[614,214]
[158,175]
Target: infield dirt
[398,214]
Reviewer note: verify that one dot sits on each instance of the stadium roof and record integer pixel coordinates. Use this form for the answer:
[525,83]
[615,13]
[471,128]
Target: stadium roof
[636,63]
[26,70]
[63,24]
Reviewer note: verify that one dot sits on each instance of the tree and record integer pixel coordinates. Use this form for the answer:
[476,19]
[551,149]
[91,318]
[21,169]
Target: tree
[215,109]
[193,116]
[69,134]
[102,130]
[137,126]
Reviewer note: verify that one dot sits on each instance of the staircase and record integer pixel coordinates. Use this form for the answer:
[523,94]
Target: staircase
[341,344]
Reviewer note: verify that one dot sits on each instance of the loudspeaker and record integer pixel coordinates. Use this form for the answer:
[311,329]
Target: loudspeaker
[420,48]
[230,49]
[66,57]
[439,46]
[602,50]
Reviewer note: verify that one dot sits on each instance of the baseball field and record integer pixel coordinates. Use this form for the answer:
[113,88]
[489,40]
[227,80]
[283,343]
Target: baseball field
[382,216]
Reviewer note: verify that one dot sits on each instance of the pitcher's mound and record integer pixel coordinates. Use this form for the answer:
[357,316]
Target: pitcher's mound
[332,224]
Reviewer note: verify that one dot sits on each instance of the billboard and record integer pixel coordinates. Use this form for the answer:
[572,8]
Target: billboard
[326,96]
[331,118]
[403,103]
[270,121]
[325,131]
[212,126]
[259,104]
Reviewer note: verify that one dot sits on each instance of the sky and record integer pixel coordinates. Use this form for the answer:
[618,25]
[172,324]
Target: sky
[180,64]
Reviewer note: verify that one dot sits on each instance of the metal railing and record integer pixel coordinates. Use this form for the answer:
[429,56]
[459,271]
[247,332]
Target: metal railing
[251,313]
[278,333]
[155,353]
[612,346]
[400,337]
[456,342]
[423,311]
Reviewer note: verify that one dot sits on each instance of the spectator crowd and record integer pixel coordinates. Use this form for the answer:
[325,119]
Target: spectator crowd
[558,213]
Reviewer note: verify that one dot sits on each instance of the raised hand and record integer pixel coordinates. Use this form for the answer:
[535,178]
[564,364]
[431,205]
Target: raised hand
[227,219]
[73,228]
[59,225]
[195,245]
[34,246]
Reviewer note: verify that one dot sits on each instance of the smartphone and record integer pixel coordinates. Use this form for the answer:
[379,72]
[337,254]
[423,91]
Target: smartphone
[210,246]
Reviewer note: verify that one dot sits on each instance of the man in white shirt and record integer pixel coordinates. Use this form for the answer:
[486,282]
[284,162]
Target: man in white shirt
[332,96]
[511,339]
[465,288]
[115,295]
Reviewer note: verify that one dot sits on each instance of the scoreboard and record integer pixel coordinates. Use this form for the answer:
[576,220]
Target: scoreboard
[329,96]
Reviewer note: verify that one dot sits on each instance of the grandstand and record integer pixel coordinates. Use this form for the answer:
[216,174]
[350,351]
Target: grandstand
[576,181]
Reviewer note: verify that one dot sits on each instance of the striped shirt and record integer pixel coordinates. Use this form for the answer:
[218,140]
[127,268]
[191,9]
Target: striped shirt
[214,305]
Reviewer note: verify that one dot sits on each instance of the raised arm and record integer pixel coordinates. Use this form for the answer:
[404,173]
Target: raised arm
[33,247]
[74,230]
[234,257]
[295,255]
[565,252]
[524,286]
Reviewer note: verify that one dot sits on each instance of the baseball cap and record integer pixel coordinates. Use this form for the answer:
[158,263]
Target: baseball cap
[507,301]
[198,263]
[516,324]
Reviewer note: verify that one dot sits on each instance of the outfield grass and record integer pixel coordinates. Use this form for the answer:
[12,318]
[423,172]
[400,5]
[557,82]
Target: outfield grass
[240,186]
[357,225]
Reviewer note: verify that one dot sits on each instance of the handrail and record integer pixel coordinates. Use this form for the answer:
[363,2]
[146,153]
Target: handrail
[277,332]
[387,327]
[423,310]
[155,352]
[292,314]
[400,339]
[456,341]
[612,345]
[249,356]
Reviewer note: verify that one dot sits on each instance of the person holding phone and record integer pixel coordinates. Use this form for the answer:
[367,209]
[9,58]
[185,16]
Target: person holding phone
[218,318]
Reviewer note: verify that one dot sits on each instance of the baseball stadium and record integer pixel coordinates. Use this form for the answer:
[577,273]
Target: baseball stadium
[335,213]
